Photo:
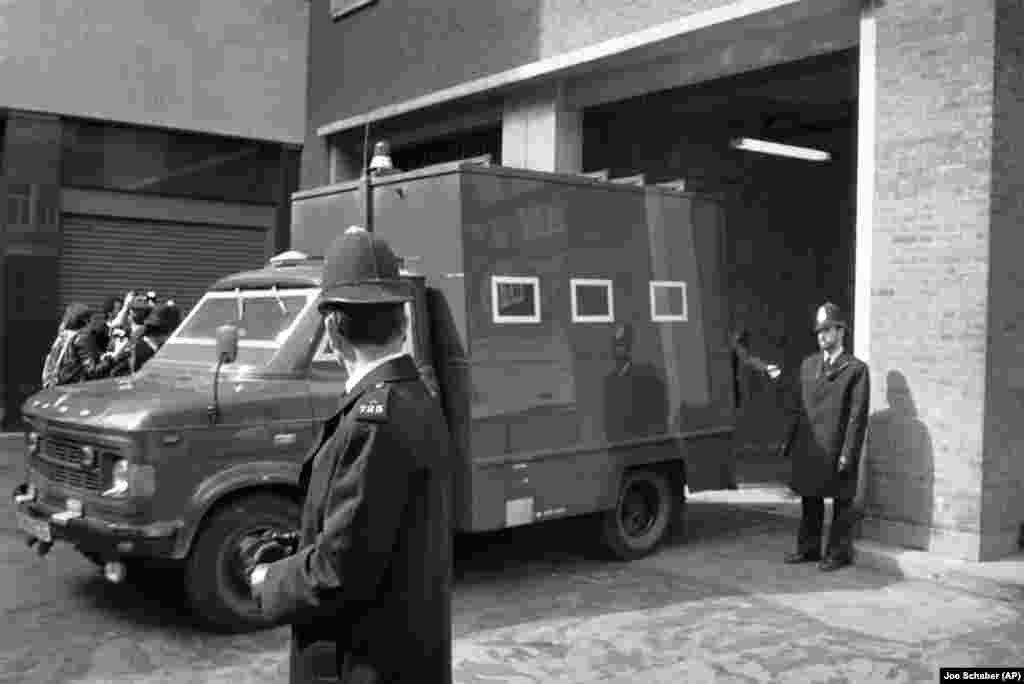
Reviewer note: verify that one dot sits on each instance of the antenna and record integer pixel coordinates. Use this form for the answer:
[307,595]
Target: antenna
[366,146]
[367,188]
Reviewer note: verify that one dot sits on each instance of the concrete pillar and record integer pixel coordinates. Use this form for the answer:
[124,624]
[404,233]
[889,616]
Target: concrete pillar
[541,133]
[30,220]
[940,447]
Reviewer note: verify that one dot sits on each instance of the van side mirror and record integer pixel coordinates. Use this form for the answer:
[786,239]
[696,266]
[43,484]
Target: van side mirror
[227,343]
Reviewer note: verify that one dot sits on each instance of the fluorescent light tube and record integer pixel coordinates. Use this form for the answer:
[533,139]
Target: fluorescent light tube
[778,149]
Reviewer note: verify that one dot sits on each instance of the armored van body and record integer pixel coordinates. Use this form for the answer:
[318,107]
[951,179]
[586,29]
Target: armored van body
[574,329]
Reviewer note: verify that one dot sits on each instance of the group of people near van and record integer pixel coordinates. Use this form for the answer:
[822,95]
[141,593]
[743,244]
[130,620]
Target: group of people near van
[115,340]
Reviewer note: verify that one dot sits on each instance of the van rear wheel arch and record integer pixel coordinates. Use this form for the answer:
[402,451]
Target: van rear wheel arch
[648,507]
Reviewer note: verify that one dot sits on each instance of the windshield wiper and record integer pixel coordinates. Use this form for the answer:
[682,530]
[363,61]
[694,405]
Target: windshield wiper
[280,302]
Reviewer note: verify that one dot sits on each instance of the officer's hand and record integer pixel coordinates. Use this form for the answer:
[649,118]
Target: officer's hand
[845,466]
[773,371]
[266,548]
[258,574]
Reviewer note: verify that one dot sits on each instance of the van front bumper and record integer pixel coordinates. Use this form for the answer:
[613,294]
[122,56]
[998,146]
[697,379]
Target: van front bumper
[108,540]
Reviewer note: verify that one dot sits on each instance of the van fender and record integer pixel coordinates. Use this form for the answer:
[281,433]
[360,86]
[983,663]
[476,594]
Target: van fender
[254,476]
[650,451]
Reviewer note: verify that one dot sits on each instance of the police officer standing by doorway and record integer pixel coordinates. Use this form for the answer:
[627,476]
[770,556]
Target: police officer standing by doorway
[828,421]
[372,573]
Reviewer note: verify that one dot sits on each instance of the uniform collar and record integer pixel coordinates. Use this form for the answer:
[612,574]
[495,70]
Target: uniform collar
[840,353]
[390,369]
[356,377]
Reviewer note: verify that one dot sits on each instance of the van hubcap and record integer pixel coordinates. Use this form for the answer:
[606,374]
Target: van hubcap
[639,511]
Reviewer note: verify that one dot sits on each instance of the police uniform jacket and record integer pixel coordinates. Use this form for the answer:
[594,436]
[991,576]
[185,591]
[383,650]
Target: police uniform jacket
[828,417]
[373,570]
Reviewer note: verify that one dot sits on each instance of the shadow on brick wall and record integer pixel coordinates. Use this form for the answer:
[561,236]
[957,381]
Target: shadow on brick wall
[900,465]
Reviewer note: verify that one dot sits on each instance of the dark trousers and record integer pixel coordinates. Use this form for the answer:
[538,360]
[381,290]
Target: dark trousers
[812,521]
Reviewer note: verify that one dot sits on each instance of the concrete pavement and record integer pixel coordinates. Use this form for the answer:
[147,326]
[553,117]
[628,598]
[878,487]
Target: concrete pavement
[532,605]
[1001,580]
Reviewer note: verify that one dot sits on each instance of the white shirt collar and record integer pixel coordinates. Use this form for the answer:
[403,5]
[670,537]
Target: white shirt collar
[361,373]
[833,357]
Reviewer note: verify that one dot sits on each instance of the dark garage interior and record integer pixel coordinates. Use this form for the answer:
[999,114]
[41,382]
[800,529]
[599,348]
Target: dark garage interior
[790,222]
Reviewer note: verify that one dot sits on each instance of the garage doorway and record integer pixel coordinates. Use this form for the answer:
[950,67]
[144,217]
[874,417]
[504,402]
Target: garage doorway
[790,222]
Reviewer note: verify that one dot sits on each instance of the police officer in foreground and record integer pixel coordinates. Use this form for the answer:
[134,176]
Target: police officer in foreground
[828,422]
[373,568]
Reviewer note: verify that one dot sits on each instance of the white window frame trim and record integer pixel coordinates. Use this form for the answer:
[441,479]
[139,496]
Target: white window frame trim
[609,286]
[669,318]
[343,8]
[497,280]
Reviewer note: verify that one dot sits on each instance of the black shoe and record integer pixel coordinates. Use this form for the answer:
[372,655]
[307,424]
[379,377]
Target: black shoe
[834,563]
[802,557]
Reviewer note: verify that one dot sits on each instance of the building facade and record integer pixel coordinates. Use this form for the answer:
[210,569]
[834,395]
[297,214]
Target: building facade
[910,224]
[143,145]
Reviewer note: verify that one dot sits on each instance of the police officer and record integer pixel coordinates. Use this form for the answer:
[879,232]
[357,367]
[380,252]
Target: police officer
[372,573]
[828,422]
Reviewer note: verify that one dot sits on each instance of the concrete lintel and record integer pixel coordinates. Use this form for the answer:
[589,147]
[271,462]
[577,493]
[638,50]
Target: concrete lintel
[566,62]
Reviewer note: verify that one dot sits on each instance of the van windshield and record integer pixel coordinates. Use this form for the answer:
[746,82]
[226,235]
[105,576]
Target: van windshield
[265,319]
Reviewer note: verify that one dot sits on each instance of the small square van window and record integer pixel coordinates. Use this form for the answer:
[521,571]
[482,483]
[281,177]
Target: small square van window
[515,299]
[668,300]
[592,300]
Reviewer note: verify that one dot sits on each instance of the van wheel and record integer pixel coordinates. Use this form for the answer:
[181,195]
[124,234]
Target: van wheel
[214,579]
[646,508]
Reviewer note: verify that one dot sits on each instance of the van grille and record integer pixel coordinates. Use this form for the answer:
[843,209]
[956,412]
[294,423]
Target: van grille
[61,460]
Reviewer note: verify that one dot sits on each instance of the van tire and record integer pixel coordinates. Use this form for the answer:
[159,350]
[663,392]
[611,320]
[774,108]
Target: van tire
[218,595]
[646,510]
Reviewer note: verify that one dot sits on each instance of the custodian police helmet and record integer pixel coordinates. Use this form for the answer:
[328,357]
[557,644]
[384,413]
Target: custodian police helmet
[360,268]
[829,315]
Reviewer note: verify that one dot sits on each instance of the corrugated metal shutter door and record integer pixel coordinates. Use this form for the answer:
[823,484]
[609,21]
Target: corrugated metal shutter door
[103,256]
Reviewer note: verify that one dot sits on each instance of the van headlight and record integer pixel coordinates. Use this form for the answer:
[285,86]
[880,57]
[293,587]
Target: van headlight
[129,479]
[120,480]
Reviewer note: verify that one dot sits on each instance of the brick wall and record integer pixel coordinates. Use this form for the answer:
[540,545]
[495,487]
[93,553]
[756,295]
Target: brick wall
[414,47]
[929,273]
[570,24]
[1002,511]
[420,46]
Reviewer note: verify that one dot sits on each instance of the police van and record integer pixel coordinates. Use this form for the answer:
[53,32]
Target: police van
[574,329]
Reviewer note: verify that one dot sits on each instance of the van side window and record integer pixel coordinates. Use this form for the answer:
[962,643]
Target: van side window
[515,299]
[592,300]
[668,301]
[325,360]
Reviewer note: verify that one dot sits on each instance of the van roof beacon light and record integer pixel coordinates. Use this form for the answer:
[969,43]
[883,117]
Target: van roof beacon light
[779,149]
